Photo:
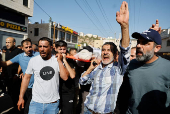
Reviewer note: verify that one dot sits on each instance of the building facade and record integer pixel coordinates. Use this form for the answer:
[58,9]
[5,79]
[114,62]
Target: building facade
[55,32]
[99,43]
[14,19]
[165,36]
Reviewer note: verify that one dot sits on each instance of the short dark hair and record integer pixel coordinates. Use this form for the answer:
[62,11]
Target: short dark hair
[72,49]
[45,39]
[60,43]
[26,40]
[18,45]
[113,47]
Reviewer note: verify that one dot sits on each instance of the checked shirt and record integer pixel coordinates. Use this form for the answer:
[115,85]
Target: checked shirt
[105,83]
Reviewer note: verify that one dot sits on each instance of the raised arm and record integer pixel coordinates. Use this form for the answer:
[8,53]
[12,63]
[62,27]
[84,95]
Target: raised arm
[122,17]
[63,71]
[24,86]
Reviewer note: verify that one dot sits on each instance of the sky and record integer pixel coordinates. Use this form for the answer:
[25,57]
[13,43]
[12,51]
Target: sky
[98,17]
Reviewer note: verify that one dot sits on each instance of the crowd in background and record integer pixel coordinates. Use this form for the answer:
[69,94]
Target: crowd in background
[41,79]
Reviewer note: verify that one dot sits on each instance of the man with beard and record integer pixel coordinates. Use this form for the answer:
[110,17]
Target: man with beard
[23,59]
[67,88]
[11,80]
[105,77]
[148,77]
[46,69]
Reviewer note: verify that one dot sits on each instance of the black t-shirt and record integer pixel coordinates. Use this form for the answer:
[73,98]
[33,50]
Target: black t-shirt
[12,69]
[68,86]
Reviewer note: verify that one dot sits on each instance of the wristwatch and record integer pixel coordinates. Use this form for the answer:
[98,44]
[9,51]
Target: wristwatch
[17,75]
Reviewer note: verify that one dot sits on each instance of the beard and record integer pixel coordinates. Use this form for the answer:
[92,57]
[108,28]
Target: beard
[145,57]
[106,63]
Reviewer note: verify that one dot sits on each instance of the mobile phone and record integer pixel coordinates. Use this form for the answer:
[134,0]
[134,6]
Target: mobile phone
[94,63]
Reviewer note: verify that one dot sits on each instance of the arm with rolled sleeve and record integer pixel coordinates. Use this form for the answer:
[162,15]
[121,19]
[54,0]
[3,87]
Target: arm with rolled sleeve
[124,58]
[86,79]
[87,76]
[122,17]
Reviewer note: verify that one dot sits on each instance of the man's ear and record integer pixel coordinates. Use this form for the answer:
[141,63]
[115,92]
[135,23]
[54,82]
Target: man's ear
[157,48]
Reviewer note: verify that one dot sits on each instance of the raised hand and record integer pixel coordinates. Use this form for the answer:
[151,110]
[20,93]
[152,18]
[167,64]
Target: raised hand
[122,17]
[156,27]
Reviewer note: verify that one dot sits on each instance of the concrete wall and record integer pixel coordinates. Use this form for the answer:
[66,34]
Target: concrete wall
[17,5]
[99,43]
[165,35]
[165,48]
[43,31]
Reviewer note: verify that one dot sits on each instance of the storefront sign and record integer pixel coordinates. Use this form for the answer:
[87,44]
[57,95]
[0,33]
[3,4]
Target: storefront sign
[7,25]
[70,45]
[74,32]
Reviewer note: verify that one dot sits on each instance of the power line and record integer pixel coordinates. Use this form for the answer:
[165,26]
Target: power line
[88,17]
[94,15]
[104,15]
[139,12]
[42,8]
[134,15]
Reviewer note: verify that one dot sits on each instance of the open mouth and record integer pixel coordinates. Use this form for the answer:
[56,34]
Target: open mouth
[42,53]
[105,58]
[139,53]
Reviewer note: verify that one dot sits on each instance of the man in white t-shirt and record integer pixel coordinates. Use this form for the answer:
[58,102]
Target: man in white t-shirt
[46,69]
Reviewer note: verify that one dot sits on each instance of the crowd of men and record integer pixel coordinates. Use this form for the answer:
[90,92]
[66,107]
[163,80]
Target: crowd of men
[42,80]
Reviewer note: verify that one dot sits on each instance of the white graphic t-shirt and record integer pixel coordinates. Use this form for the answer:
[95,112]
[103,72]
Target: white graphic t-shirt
[46,79]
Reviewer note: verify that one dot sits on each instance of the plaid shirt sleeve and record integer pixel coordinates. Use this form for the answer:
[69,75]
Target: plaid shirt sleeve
[86,79]
[124,58]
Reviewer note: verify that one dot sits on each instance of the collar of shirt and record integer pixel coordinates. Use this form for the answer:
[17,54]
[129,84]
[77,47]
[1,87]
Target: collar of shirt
[29,55]
[108,66]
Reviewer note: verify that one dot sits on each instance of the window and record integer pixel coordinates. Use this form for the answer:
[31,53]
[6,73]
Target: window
[168,43]
[30,31]
[36,31]
[52,33]
[68,37]
[16,17]
[74,39]
[62,35]
[25,3]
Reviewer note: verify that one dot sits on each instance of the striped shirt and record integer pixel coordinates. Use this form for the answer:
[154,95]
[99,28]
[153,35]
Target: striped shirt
[105,83]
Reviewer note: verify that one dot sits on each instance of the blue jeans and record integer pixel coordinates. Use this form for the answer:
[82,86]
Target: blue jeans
[43,108]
